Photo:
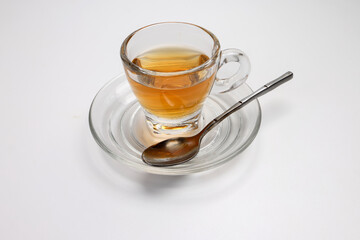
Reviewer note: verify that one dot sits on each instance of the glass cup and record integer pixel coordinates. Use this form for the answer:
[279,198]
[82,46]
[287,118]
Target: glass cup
[172,67]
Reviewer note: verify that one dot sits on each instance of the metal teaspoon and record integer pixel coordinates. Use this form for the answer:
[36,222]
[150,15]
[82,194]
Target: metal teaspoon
[178,150]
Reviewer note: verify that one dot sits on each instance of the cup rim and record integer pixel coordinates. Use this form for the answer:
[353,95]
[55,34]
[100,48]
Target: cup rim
[215,52]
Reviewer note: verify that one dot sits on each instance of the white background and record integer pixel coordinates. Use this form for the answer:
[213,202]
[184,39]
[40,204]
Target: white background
[299,179]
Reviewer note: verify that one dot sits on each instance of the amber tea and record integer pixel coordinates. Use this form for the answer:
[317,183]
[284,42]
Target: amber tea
[172,97]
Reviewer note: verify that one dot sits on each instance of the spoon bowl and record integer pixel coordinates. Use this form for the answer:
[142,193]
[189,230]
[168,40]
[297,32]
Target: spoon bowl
[172,151]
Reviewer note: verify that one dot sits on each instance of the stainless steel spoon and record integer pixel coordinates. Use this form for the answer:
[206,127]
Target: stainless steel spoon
[178,150]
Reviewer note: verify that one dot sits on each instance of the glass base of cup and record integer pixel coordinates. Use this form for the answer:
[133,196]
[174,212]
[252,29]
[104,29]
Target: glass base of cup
[173,126]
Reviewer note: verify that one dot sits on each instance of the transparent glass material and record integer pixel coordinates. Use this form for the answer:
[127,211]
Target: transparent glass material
[118,125]
[186,36]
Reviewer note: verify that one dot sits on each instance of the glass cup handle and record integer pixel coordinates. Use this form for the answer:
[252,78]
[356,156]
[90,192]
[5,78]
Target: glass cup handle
[223,85]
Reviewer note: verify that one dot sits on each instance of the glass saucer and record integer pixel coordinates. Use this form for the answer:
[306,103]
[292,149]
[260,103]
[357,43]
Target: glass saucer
[118,125]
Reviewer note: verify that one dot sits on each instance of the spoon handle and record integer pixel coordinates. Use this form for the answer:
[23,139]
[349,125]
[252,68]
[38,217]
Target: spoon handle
[261,91]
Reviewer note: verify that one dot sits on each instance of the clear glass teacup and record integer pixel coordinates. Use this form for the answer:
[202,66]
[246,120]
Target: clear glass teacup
[172,68]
